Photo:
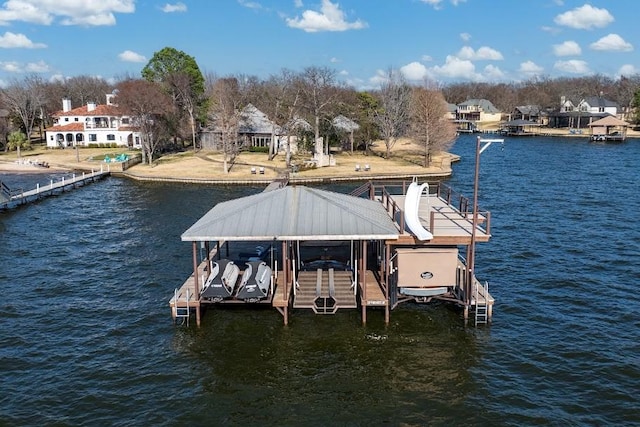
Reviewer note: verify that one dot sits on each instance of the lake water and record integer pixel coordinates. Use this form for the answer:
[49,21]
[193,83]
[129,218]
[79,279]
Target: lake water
[86,336]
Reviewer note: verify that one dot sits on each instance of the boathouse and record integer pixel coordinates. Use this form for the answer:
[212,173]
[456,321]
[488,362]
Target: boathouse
[609,129]
[382,245]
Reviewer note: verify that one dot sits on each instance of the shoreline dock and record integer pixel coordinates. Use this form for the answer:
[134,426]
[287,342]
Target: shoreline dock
[10,198]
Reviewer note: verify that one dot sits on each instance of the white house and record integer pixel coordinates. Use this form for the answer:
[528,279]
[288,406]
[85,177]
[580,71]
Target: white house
[91,125]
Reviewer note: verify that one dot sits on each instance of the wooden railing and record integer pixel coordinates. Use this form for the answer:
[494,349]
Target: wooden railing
[460,205]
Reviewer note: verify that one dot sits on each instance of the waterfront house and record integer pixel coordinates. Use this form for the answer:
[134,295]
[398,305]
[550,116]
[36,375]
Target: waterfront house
[91,125]
[578,114]
[475,112]
[530,113]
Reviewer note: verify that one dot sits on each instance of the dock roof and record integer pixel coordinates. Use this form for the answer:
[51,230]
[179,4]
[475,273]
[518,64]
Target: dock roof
[294,213]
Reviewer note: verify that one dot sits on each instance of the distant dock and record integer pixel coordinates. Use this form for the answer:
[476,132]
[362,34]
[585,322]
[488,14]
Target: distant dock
[10,198]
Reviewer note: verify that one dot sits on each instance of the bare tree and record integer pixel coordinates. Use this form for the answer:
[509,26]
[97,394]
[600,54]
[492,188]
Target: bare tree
[147,105]
[392,114]
[225,112]
[187,98]
[429,125]
[280,99]
[84,89]
[24,99]
[318,92]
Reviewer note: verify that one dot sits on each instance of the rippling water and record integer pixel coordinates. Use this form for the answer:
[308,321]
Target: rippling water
[86,335]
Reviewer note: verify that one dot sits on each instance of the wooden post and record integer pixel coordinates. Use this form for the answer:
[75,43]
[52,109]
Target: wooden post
[361,267]
[387,308]
[195,269]
[196,287]
[285,271]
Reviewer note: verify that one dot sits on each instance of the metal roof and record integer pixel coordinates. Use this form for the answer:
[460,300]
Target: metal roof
[294,213]
[345,124]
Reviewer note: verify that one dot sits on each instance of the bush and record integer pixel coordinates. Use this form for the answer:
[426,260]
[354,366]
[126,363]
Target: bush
[258,149]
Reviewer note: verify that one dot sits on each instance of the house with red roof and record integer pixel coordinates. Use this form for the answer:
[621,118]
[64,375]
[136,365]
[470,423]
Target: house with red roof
[99,125]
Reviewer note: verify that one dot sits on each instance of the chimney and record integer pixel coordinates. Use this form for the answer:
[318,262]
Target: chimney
[66,105]
[91,106]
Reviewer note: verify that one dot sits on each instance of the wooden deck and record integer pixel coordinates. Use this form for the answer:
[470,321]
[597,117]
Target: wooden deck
[375,295]
[447,224]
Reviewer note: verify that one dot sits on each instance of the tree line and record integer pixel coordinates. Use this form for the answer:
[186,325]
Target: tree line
[173,100]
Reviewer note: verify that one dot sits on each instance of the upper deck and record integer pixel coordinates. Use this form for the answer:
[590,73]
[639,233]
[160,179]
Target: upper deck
[445,214]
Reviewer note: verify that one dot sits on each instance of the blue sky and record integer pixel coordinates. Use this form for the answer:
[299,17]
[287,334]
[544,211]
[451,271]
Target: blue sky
[443,40]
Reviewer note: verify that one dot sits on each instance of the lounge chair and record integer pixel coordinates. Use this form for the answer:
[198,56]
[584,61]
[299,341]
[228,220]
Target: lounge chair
[256,282]
[221,282]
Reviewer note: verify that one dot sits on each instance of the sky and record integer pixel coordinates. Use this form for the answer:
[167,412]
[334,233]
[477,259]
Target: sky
[445,41]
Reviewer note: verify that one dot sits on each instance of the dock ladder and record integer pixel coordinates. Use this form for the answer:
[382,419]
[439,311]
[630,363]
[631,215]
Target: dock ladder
[181,311]
[481,306]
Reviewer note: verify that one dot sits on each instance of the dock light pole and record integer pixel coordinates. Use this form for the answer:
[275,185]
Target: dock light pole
[472,248]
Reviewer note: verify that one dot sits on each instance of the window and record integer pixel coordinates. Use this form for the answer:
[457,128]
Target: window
[111,137]
[76,119]
[66,119]
[93,137]
[125,120]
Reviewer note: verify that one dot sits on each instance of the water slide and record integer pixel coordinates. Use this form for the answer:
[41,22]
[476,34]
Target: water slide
[411,207]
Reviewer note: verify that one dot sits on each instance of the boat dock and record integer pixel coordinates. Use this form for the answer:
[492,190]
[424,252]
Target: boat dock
[15,197]
[378,247]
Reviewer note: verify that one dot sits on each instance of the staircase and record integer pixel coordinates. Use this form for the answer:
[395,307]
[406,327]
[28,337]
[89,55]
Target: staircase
[481,304]
[324,291]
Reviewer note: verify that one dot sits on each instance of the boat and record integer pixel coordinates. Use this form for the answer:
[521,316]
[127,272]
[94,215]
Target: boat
[221,283]
[256,282]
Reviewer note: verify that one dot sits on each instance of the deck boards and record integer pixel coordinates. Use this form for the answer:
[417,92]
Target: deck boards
[375,295]
[450,223]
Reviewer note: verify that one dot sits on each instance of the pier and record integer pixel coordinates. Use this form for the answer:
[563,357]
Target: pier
[10,198]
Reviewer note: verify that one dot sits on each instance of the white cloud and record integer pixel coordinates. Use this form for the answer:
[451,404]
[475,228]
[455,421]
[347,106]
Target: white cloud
[456,68]
[334,60]
[10,67]
[13,40]
[131,56]
[437,4]
[585,18]
[568,48]
[530,68]
[628,70]
[330,18]
[68,12]
[612,42]
[37,67]
[250,4]
[56,78]
[344,73]
[427,58]
[414,71]
[492,72]
[465,37]
[177,7]
[573,66]
[379,78]
[484,53]
[298,3]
